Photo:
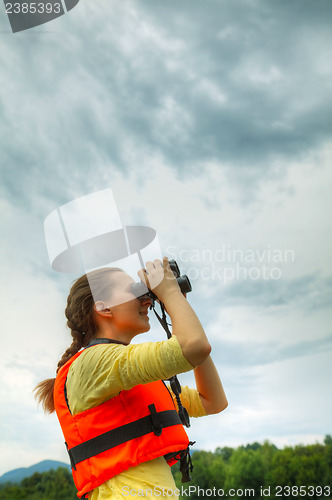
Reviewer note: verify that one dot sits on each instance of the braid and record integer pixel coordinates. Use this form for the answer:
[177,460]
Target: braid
[81,321]
[69,353]
[79,314]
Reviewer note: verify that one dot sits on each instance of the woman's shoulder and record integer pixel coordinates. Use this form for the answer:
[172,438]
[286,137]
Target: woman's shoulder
[93,357]
[92,377]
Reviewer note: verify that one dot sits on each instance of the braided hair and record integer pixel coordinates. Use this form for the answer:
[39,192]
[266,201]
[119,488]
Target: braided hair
[81,320]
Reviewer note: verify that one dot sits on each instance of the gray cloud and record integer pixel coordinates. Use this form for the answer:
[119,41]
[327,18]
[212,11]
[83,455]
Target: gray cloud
[253,353]
[241,83]
[258,55]
[311,292]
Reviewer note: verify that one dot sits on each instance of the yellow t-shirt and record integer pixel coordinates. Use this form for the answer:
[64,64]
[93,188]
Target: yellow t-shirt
[100,373]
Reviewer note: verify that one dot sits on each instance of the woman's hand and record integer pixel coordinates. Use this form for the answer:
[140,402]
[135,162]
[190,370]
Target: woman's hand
[159,278]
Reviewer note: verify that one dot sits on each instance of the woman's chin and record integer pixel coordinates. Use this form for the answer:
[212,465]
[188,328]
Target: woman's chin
[144,329]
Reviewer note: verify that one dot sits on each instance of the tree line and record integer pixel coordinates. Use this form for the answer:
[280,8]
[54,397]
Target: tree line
[261,469]
[51,485]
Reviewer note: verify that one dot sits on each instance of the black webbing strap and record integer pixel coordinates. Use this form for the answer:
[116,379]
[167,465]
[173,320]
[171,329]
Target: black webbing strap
[163,320]
[151,423]
[97,341]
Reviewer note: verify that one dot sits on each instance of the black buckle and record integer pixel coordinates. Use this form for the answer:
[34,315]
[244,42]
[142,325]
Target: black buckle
[156,425]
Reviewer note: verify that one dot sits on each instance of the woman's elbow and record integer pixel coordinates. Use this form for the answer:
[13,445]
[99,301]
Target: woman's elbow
[222,406]
[217,407]
[197,353]
[205,350]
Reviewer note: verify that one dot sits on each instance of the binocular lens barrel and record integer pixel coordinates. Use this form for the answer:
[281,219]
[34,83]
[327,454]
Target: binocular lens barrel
[184,284]
[175,268]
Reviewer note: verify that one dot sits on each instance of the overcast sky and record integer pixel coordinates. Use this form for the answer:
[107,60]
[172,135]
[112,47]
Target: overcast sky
[211,123]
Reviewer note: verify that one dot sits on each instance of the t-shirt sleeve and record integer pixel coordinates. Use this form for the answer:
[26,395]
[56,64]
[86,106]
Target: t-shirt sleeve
[191,400]
[102,371]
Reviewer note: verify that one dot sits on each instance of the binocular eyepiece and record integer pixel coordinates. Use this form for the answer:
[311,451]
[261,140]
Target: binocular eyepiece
[140,289]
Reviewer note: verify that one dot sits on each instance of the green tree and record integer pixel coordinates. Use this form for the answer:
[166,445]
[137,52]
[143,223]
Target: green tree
[267,452]
[282,468]
[11,492]
[51,485]
[328,459]
[246,470]
[218,472]
[225,453]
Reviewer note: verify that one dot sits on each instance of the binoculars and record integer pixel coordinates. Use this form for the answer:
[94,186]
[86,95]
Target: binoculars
[140,289]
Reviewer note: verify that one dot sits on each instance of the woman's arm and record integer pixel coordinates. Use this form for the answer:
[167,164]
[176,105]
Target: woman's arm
[185,324]
[187,329]
[210,388]
[189,333]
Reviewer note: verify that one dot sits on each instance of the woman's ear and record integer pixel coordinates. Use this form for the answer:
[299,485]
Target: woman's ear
[99,305]
[101,308]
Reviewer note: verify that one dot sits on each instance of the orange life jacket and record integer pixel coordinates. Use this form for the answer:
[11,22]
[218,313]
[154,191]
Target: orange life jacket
[138,425]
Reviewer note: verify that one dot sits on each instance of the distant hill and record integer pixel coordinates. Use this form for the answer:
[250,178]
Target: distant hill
[16,475]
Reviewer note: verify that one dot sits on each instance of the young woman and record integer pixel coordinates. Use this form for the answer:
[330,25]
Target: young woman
[121,428]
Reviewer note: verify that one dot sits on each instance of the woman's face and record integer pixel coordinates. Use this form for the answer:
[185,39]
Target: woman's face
[129,314]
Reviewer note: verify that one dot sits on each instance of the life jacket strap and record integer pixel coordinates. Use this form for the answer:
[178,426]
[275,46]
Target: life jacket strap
[108,440]
[186,465]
